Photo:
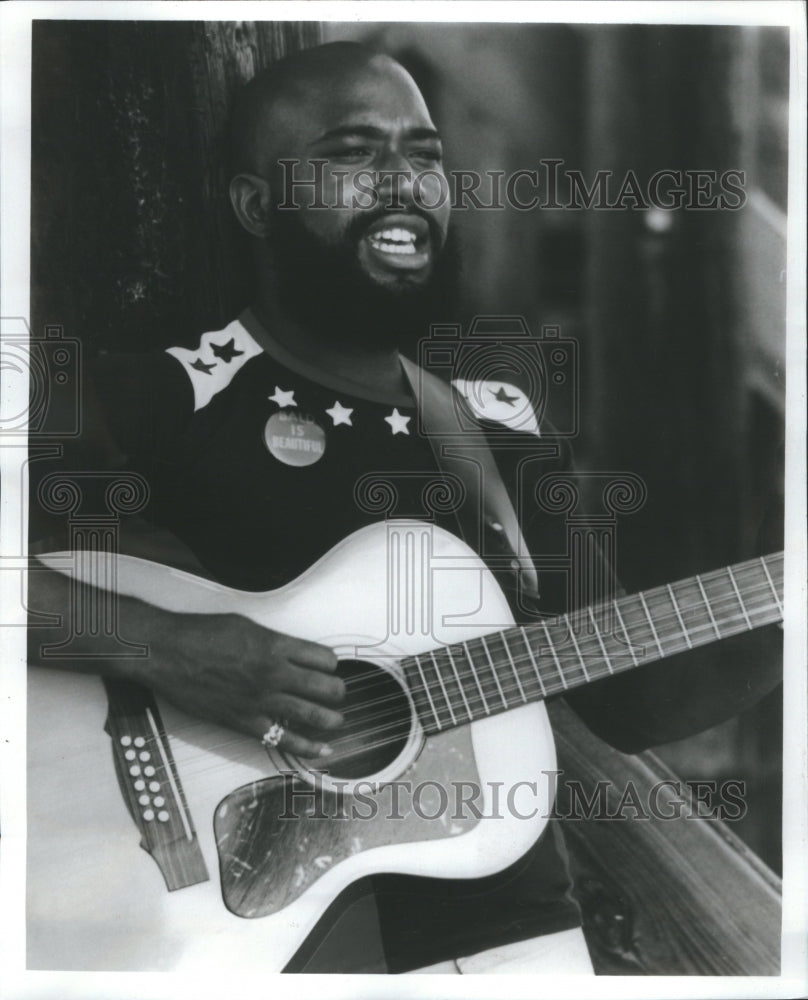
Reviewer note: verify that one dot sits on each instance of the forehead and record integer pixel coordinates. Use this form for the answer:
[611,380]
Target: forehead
[380,93]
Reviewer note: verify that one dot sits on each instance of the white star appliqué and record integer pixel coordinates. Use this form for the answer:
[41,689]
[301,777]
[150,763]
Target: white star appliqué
[283,397]
[501,402]
[398,422]
[340,414]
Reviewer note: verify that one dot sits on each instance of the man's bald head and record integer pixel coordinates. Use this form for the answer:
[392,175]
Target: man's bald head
[268,105]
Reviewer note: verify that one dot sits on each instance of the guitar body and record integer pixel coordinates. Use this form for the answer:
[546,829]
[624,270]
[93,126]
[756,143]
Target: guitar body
[97,901]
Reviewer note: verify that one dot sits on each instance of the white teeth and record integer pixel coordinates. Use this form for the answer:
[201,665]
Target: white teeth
[394,240]
[405,248]
[396,235]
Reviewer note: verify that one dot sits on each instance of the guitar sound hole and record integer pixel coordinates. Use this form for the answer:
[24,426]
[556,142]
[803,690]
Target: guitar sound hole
[377,721]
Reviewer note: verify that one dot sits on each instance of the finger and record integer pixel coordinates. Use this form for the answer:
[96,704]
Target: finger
[305,716]
[313,655]
[314,685]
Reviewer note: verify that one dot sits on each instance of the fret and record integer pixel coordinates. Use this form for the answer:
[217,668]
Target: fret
[470,659]
[676,617]
[629,643]
[448,650]
[771,584]
[494,671]
[417,662]
[443,688]
[533,662]
[679,616]
[665,616]
[504,640]
[555,656]
[707,605]
[728,610]
[694,612]
[600,640]
[756,593]
[577,648]
[738,595]
[651,624]
[636,621]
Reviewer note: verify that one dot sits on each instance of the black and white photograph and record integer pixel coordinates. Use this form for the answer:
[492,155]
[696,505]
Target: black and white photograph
[403,500]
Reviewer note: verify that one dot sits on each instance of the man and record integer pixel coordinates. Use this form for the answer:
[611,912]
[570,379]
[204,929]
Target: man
[254,442]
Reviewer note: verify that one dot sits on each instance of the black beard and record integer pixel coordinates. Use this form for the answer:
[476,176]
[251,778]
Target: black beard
[323,287]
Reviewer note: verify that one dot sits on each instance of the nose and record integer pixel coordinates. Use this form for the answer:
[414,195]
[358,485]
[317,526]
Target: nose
[394,182]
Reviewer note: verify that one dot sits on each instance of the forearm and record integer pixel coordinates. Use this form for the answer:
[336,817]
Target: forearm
[218,666]
[684,694]
[54,595]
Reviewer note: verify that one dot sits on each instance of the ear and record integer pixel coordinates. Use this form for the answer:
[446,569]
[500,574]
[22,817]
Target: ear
[249,196]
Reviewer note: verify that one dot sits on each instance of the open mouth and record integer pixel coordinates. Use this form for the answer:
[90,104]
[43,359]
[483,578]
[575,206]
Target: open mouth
[400,241]
[394,240]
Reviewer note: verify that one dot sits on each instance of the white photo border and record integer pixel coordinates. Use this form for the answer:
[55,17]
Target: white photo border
[15,57]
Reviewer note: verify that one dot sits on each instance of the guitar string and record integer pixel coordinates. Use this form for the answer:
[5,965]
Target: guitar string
[550,686]
[555,687]
[376,744]
[512,691]
[563,632]
[509,690]
[663,620]
[365,747]
[511,687]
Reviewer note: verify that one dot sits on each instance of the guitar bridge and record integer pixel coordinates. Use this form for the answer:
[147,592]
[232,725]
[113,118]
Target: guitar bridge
[150,784]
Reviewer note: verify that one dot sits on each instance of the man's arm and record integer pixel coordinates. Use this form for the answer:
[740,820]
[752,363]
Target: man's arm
[684,694]
[220,667]
[679,696]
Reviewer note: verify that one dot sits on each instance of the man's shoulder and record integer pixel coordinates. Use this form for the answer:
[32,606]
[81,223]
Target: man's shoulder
[493,405]
[499,404]
[212,365]
[177,377]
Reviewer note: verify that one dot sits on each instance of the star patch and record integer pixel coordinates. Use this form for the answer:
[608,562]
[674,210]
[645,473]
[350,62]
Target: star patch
[233,346]
[200,366]
[499,402]
[340,414]
[283,397]
[502,396]
[226,351]
[398,422]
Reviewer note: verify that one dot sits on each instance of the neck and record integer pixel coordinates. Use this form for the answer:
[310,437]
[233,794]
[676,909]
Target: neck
[469,680]
[376,368]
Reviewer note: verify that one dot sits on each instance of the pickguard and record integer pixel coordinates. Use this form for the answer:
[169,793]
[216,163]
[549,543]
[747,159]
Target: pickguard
[277,837]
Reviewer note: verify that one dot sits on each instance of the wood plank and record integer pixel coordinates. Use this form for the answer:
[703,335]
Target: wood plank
[661,897]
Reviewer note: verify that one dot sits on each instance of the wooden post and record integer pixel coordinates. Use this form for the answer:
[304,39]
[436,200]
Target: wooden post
[133,244]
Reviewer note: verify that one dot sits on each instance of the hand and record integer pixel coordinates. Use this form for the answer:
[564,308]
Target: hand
[229,670]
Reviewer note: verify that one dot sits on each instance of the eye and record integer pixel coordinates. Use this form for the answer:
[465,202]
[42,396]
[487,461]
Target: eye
[352,154]
[427,155]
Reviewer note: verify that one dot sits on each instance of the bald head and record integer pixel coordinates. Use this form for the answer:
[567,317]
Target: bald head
[273,108]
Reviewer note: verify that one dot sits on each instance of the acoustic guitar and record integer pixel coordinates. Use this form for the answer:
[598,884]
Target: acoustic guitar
[141,820]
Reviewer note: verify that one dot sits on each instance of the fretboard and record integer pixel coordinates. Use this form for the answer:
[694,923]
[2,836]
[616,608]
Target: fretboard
[456,684]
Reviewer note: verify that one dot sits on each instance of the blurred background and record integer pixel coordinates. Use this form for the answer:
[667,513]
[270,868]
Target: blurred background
[680,316]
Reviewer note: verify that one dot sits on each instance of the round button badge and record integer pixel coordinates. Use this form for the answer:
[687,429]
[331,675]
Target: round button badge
[294,438]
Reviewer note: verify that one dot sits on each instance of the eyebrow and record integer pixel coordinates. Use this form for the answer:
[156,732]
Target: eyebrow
[372,132]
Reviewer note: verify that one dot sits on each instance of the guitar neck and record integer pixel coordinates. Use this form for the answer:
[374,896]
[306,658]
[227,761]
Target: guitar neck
[457,684]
